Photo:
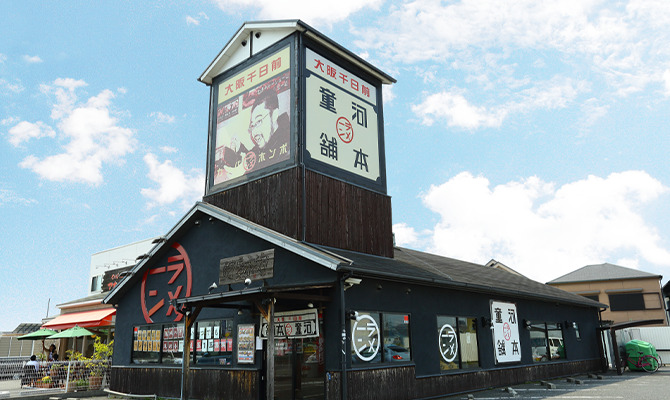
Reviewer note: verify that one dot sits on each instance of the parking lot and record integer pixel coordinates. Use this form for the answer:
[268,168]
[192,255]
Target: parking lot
[630,385]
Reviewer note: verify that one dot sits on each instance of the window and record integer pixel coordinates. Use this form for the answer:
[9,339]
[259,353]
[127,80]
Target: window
[626,302]
[380,338]
[457,338]
[96,283]
[593,297]
[173,344]
[146,344]
[211,343]
[214,342]
[547,341]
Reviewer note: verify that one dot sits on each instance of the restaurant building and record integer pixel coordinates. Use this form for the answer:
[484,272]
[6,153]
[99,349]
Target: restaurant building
[284,282]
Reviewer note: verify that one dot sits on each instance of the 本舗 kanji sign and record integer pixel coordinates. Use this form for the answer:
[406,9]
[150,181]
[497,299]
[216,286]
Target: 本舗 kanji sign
[505,324]
[162,284]
[341,118]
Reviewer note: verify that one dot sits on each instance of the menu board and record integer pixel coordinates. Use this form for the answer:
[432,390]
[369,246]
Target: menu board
[246,344]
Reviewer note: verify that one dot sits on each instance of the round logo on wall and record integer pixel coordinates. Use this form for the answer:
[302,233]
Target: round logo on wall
[162,284]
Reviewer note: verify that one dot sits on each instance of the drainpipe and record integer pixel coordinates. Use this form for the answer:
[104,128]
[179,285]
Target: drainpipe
[343,323]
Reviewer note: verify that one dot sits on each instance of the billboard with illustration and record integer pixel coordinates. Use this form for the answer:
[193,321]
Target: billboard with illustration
[253,119]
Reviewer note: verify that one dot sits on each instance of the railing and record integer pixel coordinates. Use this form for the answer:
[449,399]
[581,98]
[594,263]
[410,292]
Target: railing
[20,379]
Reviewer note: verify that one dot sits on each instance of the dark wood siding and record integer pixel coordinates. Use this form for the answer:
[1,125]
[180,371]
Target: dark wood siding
[205,383]
[272,201]
[348,217]
[401,383]
[337,213]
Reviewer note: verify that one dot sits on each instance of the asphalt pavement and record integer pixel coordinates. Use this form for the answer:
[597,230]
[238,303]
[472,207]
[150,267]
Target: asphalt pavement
[630,385]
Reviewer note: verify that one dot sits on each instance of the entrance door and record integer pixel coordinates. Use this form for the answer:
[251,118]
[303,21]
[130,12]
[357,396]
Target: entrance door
[299,369]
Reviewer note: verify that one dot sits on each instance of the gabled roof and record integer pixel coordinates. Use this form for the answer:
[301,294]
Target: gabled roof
[407,265]
[602,272]
[425,268]
[200,209]
[257,36]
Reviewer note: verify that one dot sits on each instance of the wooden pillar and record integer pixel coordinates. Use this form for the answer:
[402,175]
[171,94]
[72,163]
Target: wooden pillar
[189,319]
[270,376]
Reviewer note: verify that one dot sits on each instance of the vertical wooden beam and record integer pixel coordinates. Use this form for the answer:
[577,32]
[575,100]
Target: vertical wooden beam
[189,319]
[270,376]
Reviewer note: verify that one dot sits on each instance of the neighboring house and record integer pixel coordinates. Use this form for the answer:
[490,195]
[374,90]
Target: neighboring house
[631,294]
[108,268]
[666,297]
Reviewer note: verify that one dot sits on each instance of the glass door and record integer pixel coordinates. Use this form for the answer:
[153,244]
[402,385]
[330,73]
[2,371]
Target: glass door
[299,369]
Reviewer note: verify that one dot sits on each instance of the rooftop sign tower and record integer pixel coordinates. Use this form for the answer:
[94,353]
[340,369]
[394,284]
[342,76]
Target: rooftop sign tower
[296,139]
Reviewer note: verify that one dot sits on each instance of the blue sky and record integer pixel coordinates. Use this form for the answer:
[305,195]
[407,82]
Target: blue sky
[534,133]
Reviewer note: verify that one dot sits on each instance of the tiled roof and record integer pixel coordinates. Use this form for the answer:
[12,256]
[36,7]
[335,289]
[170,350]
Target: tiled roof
[602,272]
[26,328]
[420,267]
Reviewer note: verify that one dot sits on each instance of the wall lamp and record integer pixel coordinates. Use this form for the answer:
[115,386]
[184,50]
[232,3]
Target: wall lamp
[526,324]
[349,282]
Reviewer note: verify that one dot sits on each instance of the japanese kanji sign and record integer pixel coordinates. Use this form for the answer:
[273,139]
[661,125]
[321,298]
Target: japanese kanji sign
[293,324]
[341,118]
[505,324]
[253,118]
[259,265]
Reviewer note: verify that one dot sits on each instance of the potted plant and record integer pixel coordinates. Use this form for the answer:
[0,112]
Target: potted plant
[98,362]
[44,383]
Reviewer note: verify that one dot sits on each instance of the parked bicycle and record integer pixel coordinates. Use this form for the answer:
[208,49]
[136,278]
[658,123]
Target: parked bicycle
[646,362]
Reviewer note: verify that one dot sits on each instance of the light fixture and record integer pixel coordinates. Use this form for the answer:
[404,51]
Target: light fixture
[310,305]
[257,34]
[379,286]
[212,287]
[239,311]
[197,222]
[526,324]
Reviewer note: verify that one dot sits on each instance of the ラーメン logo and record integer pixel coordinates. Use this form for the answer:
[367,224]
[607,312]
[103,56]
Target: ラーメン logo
[162,284]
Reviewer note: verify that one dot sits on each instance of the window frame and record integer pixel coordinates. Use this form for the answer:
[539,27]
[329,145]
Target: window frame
[441,321]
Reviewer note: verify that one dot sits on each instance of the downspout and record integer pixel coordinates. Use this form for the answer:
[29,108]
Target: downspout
[301,134]
[343,323]
[604,364]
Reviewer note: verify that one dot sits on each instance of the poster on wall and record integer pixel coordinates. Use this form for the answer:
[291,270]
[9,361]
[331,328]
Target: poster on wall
[341,118]
[253,118]
[505,324]
[246,341]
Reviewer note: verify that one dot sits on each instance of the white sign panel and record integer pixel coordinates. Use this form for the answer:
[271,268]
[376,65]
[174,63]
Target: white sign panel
[293,324]
[341,119]
[505,324]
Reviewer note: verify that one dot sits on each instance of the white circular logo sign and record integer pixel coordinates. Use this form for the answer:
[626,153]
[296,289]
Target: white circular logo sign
[448,343]
[365,337]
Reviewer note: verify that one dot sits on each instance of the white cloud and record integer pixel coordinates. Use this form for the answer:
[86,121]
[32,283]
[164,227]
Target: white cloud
[24,131]
[196,20]
[161,118]
[500,48]
[312,12]
[542,230]
[92,134]
[3,58]
[457,111]
[14,87]
[169,149]
[32,59]
[173,184]
[191,21]
[8,196]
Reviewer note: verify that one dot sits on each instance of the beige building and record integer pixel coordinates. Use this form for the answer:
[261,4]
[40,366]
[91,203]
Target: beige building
[632,295]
